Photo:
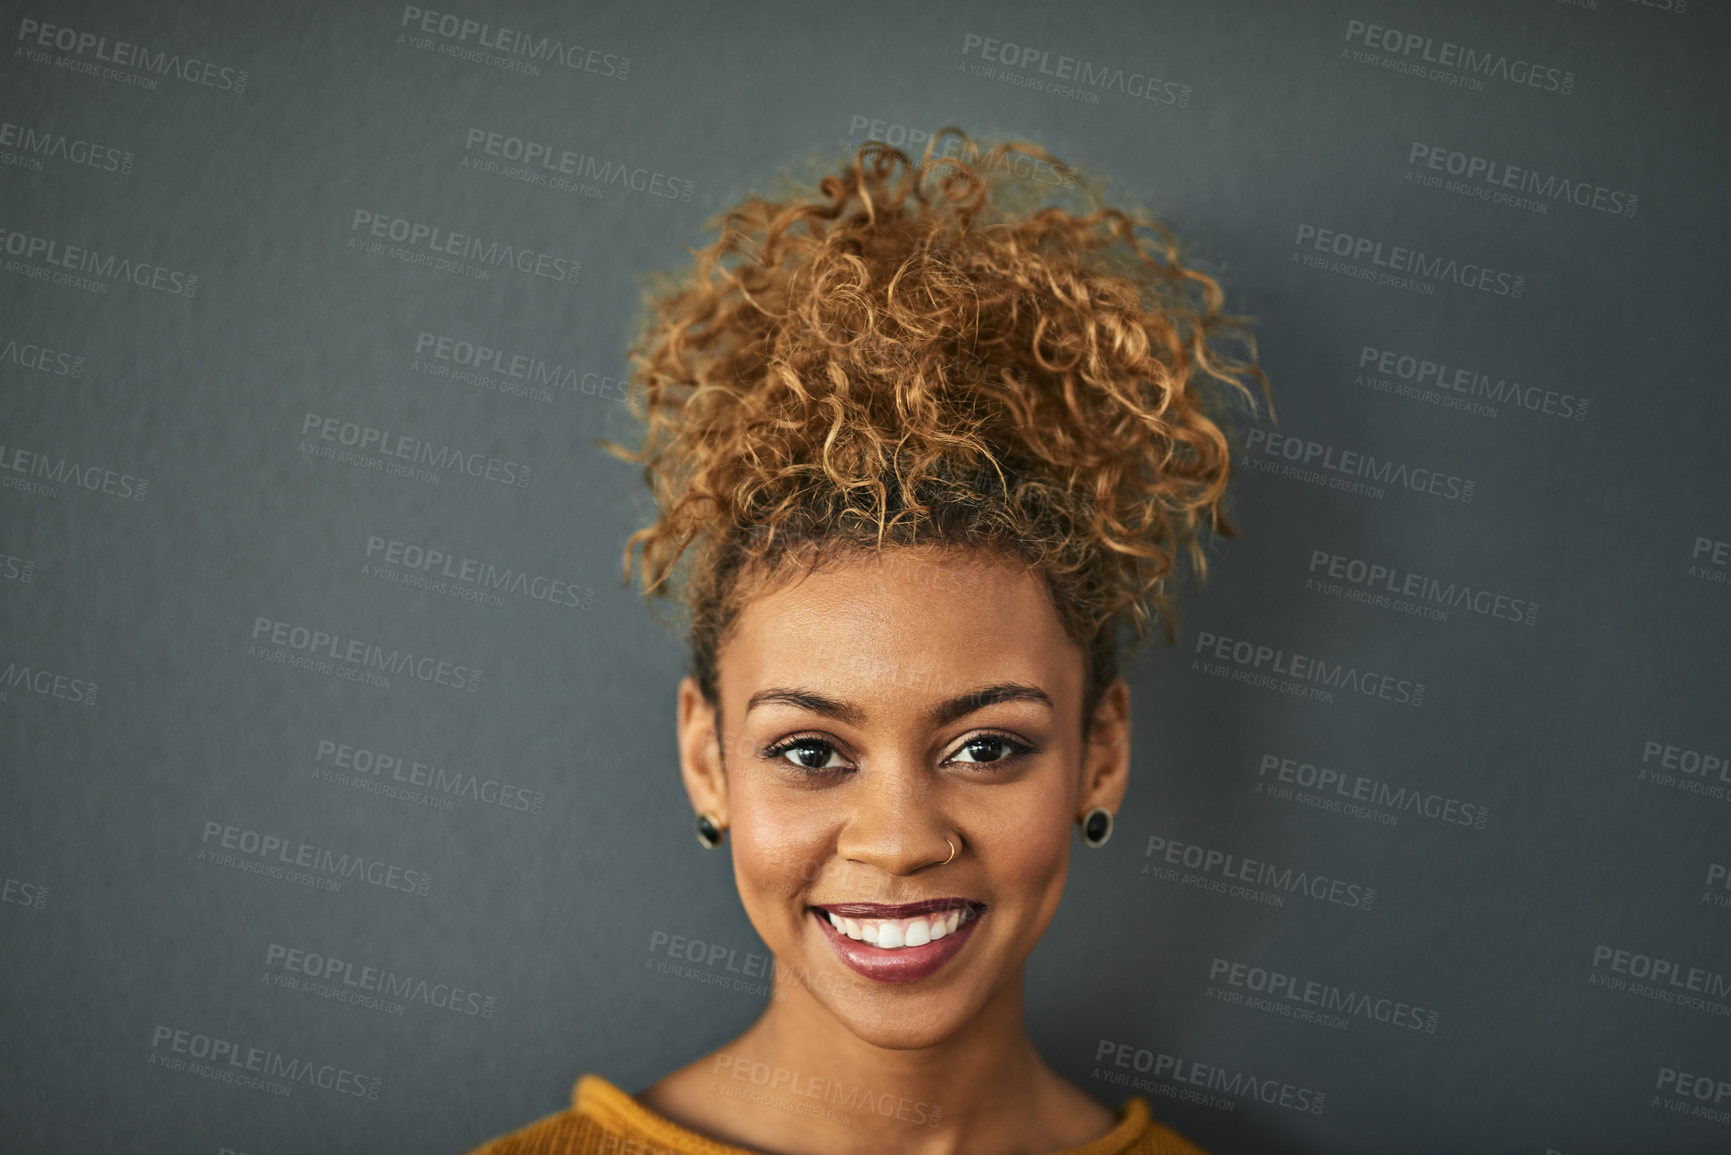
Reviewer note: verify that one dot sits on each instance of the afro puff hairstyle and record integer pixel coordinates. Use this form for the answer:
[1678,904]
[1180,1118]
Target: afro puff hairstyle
[930,353]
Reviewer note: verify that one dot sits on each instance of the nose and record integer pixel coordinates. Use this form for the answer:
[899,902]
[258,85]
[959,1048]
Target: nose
[895,822]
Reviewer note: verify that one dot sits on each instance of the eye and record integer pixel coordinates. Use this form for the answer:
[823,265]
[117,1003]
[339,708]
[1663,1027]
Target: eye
[806,753]
[991,748]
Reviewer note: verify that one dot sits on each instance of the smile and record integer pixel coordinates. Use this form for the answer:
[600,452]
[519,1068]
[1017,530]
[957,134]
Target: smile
[898,944]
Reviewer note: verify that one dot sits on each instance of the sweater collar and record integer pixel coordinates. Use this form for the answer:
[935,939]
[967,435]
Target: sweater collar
[611,1106]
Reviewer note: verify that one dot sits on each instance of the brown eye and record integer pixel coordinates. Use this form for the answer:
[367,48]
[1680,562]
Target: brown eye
[988,748]
[806,753]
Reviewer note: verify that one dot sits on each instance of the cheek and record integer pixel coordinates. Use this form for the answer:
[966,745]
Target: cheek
[1029,849]
[777,845]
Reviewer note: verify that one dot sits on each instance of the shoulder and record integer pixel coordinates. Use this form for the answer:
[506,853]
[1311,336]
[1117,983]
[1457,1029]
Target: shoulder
[1156,1138]
[1076,1119]
[571,1130]
[682,1096]
[1137,1133]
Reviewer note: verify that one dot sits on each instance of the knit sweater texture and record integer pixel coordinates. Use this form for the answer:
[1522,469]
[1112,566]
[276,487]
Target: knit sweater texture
[605,1120]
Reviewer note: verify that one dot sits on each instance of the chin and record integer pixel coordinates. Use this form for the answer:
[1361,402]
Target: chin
[900,999]
[892,1032]
[902,1020]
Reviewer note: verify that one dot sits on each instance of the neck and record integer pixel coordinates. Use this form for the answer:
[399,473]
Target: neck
[981,1087]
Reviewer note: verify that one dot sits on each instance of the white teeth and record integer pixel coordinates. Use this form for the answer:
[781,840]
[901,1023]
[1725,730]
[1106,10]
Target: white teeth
[896,933]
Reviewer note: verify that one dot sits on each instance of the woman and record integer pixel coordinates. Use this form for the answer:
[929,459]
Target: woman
[923,450]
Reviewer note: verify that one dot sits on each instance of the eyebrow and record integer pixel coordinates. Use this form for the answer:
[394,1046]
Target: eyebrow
[946,711]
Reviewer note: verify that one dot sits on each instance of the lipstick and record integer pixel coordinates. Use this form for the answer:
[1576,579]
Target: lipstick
[900,942]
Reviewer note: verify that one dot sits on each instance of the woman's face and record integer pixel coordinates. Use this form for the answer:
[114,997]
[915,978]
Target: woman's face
[871,710]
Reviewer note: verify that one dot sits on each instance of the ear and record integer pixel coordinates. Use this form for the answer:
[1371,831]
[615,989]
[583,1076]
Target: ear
[1106,759]
[700,752]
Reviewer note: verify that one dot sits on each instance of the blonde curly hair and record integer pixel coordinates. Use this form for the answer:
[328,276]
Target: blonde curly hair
[920,354]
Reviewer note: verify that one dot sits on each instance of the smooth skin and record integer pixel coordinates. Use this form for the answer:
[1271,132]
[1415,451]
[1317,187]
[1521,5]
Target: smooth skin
[848,665]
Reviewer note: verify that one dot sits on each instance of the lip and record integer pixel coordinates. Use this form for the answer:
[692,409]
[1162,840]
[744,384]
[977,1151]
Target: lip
[900,909]
[905,964]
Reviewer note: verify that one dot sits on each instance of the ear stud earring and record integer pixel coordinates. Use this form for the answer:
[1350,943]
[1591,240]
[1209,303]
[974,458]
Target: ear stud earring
[1096,827]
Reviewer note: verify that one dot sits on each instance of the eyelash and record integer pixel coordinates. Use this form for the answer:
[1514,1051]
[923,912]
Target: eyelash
[1016,750]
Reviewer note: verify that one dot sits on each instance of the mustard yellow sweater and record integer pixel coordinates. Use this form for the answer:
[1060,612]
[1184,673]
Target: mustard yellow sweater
[605,1120]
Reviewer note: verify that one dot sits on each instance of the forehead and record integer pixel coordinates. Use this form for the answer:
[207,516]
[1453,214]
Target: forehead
[908,624]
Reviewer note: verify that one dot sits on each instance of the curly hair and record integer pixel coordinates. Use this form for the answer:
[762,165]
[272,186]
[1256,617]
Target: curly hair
[929,354]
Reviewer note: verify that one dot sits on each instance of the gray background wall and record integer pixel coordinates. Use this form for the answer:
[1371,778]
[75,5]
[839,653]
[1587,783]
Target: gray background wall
[174,527]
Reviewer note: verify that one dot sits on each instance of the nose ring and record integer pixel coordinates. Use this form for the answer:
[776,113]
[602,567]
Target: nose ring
[946,861]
